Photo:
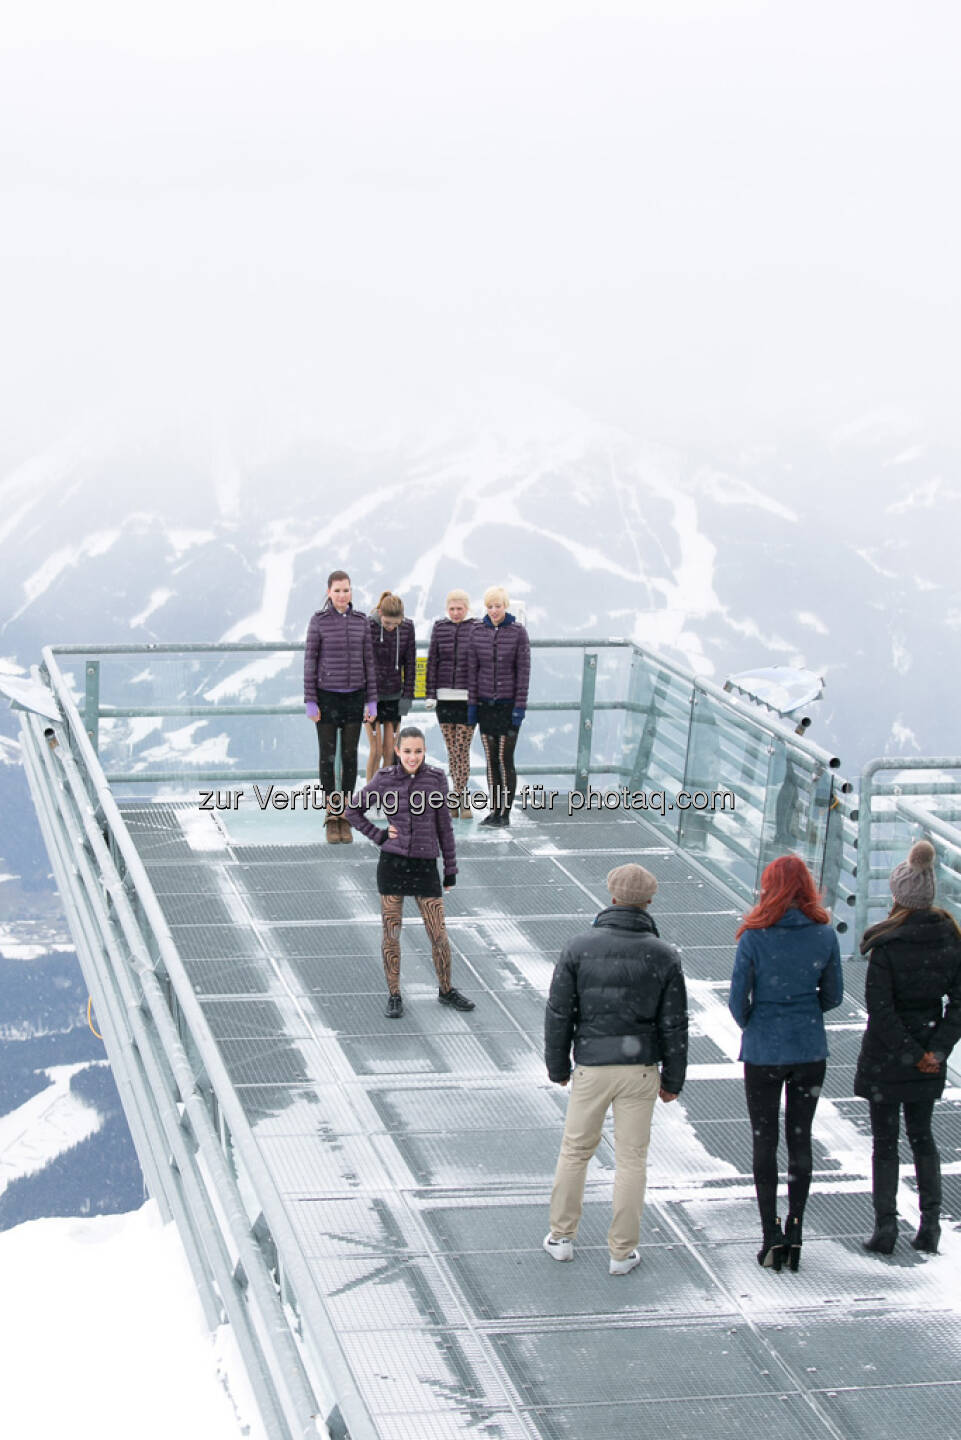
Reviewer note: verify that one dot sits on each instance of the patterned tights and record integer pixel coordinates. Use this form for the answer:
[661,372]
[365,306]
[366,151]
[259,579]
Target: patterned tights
[457,739]
[501,775]
[432,913]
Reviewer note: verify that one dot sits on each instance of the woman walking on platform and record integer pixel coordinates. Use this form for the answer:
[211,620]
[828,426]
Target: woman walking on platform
[340,693]
[447,659]
[414,798]
[498,677]
[787,972]
[914,961]
[395,661]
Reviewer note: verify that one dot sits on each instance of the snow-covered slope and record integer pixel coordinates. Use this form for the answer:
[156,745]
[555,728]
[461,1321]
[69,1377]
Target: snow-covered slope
[95,1313]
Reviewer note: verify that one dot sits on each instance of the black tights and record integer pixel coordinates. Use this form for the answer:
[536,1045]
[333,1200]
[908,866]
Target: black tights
[327,740]
[763,1085]
[501,775]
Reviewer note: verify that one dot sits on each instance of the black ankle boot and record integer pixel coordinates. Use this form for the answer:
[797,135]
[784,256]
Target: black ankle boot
[885,1235]
[792,1242]
[771,1252]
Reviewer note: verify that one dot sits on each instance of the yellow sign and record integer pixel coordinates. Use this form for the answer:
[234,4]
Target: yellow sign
[420,679]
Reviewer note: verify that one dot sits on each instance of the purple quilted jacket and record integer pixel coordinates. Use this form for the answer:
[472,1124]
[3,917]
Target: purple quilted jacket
[499,662]
[338,654]
[395,658]
[447,656]
[422,835]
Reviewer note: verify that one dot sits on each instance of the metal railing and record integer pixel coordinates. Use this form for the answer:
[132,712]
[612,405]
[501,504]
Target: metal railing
[610,711]
[195,1145]
[902,800]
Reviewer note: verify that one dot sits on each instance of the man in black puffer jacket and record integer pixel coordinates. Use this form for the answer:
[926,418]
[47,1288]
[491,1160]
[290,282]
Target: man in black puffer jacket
[618,993]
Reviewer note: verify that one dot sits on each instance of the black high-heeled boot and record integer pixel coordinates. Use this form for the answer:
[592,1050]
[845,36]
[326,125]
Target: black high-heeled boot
[884,1237]
[792,1242]
[884,1190]
[771,1252]
[927,1168]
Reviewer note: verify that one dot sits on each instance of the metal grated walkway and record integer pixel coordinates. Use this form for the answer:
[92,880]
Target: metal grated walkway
[415,1157]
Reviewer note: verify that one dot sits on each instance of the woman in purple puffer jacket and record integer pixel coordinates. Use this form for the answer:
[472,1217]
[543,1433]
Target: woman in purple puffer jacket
[413,796]
[498,676]
[447,689]
[395,661]
[340,693]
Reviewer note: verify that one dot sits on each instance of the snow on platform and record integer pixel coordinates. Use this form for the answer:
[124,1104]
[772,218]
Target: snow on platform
[416,1157]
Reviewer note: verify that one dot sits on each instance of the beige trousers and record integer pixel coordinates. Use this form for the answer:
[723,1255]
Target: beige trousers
[631,1090]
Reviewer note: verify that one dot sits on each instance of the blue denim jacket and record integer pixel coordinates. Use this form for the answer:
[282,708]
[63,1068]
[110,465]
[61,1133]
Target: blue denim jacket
[785,977]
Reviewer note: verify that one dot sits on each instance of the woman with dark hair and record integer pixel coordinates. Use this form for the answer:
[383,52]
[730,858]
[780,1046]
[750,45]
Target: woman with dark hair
[498,676]
[395,661]
[787,972]
[447,689]
[914,961]
[340,693]
[413,796]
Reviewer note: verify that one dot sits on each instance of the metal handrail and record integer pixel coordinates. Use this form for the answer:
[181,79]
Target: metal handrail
[325,1347]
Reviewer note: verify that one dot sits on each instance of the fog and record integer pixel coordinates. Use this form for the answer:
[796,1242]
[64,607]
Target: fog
[700,221]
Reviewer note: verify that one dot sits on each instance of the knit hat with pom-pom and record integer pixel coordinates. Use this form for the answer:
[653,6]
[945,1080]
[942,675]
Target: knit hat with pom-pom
[912,882]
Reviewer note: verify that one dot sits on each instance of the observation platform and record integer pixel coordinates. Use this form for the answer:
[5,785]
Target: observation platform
[364,1200]
[414,1158]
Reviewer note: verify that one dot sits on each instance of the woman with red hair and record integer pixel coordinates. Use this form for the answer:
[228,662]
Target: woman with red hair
[787,972]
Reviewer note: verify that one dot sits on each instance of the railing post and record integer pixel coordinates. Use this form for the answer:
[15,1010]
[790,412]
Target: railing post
[585,730]
[865,819]
[91,702]
[833,849]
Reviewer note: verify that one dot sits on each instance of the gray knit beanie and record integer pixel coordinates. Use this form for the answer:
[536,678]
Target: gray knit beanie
[912,882]
[631,885]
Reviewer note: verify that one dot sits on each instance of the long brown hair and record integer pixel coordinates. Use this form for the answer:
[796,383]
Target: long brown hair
[893,921]
[786,882]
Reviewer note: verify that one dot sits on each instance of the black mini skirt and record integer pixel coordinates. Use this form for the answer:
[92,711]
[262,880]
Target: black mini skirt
[407,875]
[337,709]
[452,712]
[494,717]
[388,711]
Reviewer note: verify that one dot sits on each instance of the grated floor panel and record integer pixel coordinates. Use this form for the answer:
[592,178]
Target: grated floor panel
[415,1157]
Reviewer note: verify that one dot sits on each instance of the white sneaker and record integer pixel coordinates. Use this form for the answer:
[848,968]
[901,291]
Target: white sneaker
[559,1249]
[625,1266]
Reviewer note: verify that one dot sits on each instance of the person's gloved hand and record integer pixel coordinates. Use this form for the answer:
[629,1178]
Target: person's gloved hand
[430,704]
[313,710]
[383,837]
[404,706]
[449,880]
[472,714]
[517,716]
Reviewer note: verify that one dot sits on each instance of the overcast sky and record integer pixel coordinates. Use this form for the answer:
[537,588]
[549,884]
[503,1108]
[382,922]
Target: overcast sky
[698,220]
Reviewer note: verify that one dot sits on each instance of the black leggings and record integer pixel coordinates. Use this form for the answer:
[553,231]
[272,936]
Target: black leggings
[762,1086]
[501,775]
[886,1123]
[327,740]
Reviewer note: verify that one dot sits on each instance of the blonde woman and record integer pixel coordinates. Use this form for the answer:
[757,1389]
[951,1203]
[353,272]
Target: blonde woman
[447,689]
[395,662]
[498,677]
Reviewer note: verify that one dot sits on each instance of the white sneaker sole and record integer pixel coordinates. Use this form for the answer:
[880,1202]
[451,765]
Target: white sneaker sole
[566,1249]
[624,1267]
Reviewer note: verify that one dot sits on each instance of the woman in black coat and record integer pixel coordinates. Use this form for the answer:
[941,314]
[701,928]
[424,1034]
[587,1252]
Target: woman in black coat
[914,962]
